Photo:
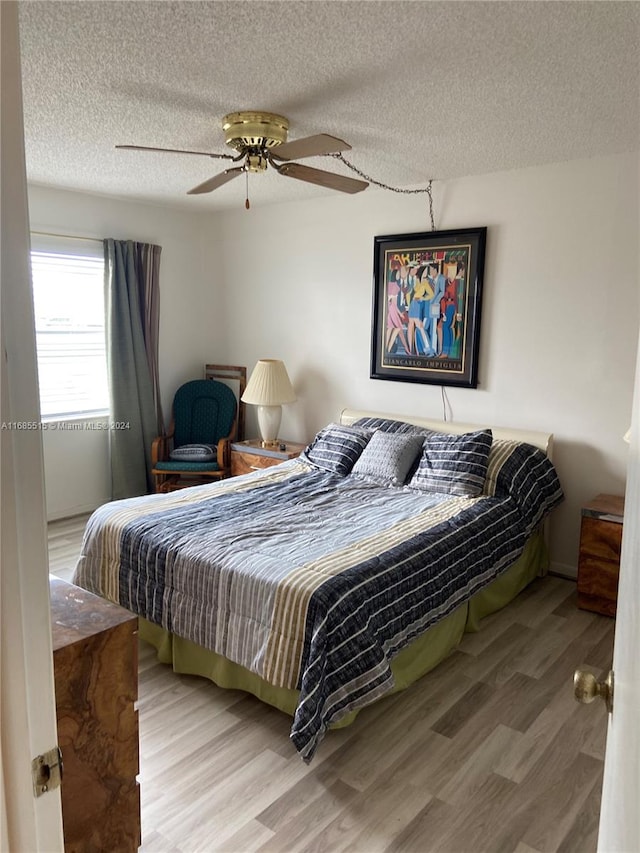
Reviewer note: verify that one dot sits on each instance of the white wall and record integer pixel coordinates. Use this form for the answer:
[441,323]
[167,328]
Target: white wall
[560,310]
[294,281]
[76,462]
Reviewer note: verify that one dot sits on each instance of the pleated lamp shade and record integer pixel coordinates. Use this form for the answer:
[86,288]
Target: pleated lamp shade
[268,387]
[269,384]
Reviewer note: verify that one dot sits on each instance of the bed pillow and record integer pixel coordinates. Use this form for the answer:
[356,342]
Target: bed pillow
[453,464]
[335,448]
[389,425]
[526,474]
[194,453]
[388,457]
[501,451]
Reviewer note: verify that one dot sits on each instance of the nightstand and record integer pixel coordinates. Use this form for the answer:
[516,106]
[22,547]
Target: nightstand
[599,559]
[247,456]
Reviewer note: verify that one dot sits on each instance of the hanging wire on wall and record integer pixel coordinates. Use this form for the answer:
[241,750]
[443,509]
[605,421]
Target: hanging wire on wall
[447,411]
[423,191]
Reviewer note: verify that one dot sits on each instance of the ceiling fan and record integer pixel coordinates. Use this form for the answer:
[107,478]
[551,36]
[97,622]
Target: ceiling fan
[260,139]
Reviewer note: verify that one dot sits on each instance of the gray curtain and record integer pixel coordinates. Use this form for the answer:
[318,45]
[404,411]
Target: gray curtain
[132,318]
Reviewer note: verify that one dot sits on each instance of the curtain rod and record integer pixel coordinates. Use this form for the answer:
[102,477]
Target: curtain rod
[66,236]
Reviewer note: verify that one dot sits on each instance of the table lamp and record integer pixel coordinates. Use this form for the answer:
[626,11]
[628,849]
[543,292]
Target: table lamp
[268,388]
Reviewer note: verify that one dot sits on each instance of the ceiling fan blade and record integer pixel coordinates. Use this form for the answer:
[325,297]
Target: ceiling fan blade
[177,151]
[217,181]
[309,146]
[321,178]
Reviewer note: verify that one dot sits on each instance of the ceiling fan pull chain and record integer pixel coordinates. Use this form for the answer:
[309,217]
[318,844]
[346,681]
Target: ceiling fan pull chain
[246,201]
[430,194]
[427,190]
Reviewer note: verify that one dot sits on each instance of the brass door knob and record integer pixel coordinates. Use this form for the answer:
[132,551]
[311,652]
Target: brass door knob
[586,688]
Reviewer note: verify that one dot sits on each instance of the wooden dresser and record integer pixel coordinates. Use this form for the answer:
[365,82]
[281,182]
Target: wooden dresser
[95,658]
[599,558]
[247,456]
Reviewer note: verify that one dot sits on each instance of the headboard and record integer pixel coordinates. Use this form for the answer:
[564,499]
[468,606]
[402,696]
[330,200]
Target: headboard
[543,440]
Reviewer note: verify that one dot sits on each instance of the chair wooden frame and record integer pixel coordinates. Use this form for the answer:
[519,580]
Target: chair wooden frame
[231,373]
[166,481]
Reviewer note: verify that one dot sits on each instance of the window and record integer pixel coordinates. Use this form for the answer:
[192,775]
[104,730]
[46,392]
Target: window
[68,297]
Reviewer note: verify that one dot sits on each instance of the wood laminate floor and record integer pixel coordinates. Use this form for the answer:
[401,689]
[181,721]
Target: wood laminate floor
[489,752]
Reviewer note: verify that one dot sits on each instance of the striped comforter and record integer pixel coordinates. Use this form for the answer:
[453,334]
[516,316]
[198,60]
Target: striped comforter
[311,580]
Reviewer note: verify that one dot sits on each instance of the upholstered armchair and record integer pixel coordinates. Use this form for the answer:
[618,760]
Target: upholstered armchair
[197,447]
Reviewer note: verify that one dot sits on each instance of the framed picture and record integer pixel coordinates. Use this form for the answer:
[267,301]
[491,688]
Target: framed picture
[427,296]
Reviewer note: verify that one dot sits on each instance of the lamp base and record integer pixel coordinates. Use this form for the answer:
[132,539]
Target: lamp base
[269,418]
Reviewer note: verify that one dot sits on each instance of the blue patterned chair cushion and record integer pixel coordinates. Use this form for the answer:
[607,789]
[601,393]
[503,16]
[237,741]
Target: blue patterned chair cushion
[388,457]
[453,464]
[204,412]
[336,448]
[178,467]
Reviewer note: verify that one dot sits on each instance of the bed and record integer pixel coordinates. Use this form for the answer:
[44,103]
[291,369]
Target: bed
[327,582]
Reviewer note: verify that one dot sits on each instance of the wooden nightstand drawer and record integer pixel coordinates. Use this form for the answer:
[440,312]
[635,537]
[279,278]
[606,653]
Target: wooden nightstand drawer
[244,463]
[600,538]
[598,585]
[248,456]
[599,556]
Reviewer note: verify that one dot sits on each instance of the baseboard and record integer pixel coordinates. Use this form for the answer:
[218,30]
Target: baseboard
[563,570]
[71,512]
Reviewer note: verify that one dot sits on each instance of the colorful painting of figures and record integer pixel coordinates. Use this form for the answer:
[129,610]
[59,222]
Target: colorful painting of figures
[427,292]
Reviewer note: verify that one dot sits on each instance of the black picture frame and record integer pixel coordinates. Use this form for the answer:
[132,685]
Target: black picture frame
[437,341]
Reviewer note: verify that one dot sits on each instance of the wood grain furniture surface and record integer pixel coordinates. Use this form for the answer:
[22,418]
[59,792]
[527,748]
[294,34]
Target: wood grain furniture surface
[250,455]
[95,658]
[599,557]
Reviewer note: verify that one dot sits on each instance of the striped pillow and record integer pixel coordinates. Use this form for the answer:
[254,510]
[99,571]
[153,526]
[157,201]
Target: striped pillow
[453,464]
[194,453]
[526,474]
[389,425]
[336,448]
[388,457]
[501,450]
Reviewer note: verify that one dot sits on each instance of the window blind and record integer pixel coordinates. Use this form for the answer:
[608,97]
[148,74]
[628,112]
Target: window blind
[68,295]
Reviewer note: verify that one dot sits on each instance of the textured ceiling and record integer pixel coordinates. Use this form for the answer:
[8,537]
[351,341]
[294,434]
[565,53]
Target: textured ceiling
[419,89]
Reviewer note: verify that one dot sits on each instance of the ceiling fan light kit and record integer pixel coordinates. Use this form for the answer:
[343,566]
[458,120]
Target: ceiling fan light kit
[248,130]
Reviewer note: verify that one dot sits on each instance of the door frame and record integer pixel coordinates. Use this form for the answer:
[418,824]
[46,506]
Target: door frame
[27,693]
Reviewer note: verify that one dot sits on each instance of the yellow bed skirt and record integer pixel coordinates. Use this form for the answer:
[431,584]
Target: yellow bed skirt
[414,661]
